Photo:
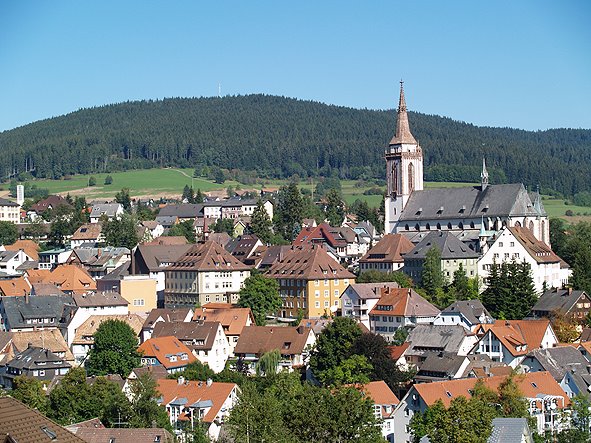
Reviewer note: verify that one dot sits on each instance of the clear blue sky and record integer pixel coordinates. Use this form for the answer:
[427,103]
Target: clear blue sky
[524,64]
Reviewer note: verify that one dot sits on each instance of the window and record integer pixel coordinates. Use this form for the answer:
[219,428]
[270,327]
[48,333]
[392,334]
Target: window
[316,282]
[500,244]
[317,304]
[316,293]
[325,282]
[336,293]
[326,304]
[326,293]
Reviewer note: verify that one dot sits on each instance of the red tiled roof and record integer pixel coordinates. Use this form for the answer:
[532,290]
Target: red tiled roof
[539,250]
[163,347]
[308,263]
[390,249]
[403,302]
[208,256]
[513,333]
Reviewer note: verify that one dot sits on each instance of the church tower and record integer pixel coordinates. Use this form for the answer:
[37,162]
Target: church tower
[404,167]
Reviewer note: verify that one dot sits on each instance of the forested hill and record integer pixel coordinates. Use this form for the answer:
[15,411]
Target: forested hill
[280,136]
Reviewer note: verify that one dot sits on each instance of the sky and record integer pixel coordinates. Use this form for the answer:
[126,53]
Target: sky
[523,64]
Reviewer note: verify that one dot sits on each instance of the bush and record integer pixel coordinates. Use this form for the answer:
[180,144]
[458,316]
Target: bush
[92,181]
[569,213]
[108,180]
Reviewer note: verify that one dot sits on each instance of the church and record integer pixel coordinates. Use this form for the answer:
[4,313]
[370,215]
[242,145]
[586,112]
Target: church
[474,214]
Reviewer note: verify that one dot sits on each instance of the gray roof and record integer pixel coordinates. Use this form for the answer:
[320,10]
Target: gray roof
[37,358]
[194,335]
[470,309]
[562,300]
[581,379]
[436,338]
[367,291]
[509,430]
[156,257]
[232,202]
[108,209]
[19,309]
[469,202]
[444,364]
[184,210]
[448,244]
[4,202]
[557,360]
[6,256]
[92,299]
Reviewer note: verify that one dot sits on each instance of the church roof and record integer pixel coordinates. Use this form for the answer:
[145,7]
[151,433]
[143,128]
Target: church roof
[447,243]
[403,134]
[469,202]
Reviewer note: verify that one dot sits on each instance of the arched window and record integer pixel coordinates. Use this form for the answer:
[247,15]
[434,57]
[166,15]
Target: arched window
[438,226]
[461,225]
[544,231]
[504,223]
[406,227]
[517,224]
[472,225]
[411,177]
[394,178]
[449,225]
[531,226]
[428,227]
[417,227]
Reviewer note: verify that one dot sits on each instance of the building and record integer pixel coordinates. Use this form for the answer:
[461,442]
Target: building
[189,403]
[52,258]
[360,298]
[108,210]
[11,262]
[384,404]
[293,343]
[566,302]
[94,434]
[426,340]
[400,308]
[88,233]
[520,244]
[387,255]
[35,313]
[206,340]
[164,315]
[243,248]
[466,313]
[233,320]
[463,211]
[442,366]
[71,279]
[205,273]
[557,361]
[454,253]
[341,242]
[166,351]
[52,202]
[310,282]
[9,211]
[38,363]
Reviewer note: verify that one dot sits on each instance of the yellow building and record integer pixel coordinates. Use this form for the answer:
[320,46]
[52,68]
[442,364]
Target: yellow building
[138,290]
[310,280]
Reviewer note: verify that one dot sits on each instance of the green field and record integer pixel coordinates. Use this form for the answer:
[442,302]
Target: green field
[557,208]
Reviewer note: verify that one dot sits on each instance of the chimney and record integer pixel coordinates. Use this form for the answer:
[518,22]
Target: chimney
[209,382]
[570,290]
[180,380]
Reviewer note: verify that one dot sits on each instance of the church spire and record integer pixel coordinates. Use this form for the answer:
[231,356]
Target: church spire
[403,134]
[483,176]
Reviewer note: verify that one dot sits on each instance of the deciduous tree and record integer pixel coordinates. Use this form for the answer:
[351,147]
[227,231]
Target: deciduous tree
[261,295]
[8,233]
[114,351]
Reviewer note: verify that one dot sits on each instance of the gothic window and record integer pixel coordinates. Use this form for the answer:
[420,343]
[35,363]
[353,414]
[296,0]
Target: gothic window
[449,225]
[411,177]
[406,227]
[531,226]
[394,178]
[417,227]
[438,226]
[544,231]
[517,224]
[428,227]
[461,226]
[472,225]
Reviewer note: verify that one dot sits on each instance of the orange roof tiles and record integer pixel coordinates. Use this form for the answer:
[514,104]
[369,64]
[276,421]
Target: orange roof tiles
[208,256]
[14,287]
[539,250]
[71,278]
[390,248]
[517,333]
[37,275]
[381,394]
[396,351]
[233,320]
[308,263]
[403,302]
[28,246]
[162,348]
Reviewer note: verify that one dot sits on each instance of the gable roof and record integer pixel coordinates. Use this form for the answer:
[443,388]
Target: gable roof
[403,302]
[436,338]
[539,251]
[5,202]
[192,392]
[260,339]
[88,231]
[28,246]
[208,256]
[468,202]
[532,385]
[471,310]
[124,435]
[561,300]
[309,263]
[14,287]
[155,256]
[71,278]
[233,320]
[52,201]
[509,430]
[85,332]
[448,244]
[390,249]
[366,291]
[45,289]
[22,424]
[162,348]
[108,209]
[195,335]
[92,299]
[20,309]
[323,233]
[166,314]
[526,334]
[381,394]
[183,210]
[51,339]
[34,358]
[559,359]
[243,246]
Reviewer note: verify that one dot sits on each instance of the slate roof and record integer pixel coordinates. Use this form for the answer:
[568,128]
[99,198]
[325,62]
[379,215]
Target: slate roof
[34,358]
[260,339]
[540,251]
[444,365]
[243,246]
[154,256]
[108,209]
[470,309]
[166,314]
[19,309]
[183,210]
[273,254]
[390,249]
[509,430]
[19,423]
[469,202]
[208,256]
[436,338]
[92,299]
[561,300]
[403,302]
[366,291]
[449,245]
[309,263]
[198,336]
[559,359]
[5,202]
[124,435]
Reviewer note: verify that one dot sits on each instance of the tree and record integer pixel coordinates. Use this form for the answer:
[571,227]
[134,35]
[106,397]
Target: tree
[565,328]
[121,232]
[144,394]
[110,403]
[199,197]
[224,225]
[353,370]
[114,351]
[30,391]
[70,401]
[124,199]
[510,293]
[108,180]
[260,223]
[183,229]
[261,295]
[8,233]
[433,279]
[64,223]
[218,175]
[195,371]
[288,214]
[92,181]
[267,364]
[462,287]
[333,346]
[335,208]
[403,280]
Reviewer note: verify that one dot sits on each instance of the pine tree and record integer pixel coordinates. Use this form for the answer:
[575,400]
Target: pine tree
[510,293]
[260,223]
[288,215]
[335,208]
[433,279]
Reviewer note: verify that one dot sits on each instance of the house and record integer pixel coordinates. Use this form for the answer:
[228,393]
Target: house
[545,397]
[9,211]
[84,335]
[509,341]
[387,255]
[164,315]
[88,233]
[294,344]
[19,423]
[243,248]
[11,261]
[441,366]
[232,319]
[35,313]
[99,262]
[139,290]
[340,242]
[557,361]
[576,382]
[310,282]
[108,210]
[35,362]
[14,287]
[191,402]
[271,255]
[94,303]
[53,257]
[166,351]
[155,228]
[122,435]
[51,339]
[367,231]
[384,404]
[567,302]
[399,308]
[205,339]
[510,430]
[234,208]
[51,203]
[28,246]
[520,244]
[454,253]
[71,279]
[205,273]
[466,313]
[426,340]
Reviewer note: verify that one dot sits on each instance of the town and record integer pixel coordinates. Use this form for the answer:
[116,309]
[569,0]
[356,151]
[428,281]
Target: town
[449,315]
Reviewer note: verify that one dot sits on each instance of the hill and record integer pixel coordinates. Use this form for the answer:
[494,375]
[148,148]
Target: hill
[279,137]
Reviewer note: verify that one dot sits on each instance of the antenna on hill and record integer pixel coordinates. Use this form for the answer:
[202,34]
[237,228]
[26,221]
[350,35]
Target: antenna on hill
[219,90]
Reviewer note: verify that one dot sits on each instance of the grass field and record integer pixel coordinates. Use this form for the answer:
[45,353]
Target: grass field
[170,182]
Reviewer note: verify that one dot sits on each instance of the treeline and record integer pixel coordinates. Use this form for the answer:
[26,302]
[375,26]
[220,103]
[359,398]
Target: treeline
[281,137]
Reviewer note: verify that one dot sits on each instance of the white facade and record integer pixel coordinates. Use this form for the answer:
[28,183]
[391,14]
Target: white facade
[386,324]
[84,312]
[357,307]
[9,265]
[9,211]
[217,356]
[51,259]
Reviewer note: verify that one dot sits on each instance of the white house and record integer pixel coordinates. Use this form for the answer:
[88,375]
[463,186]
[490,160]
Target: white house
[9,211]
[11,260]
[467,313]
[360,298]
[109,210]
